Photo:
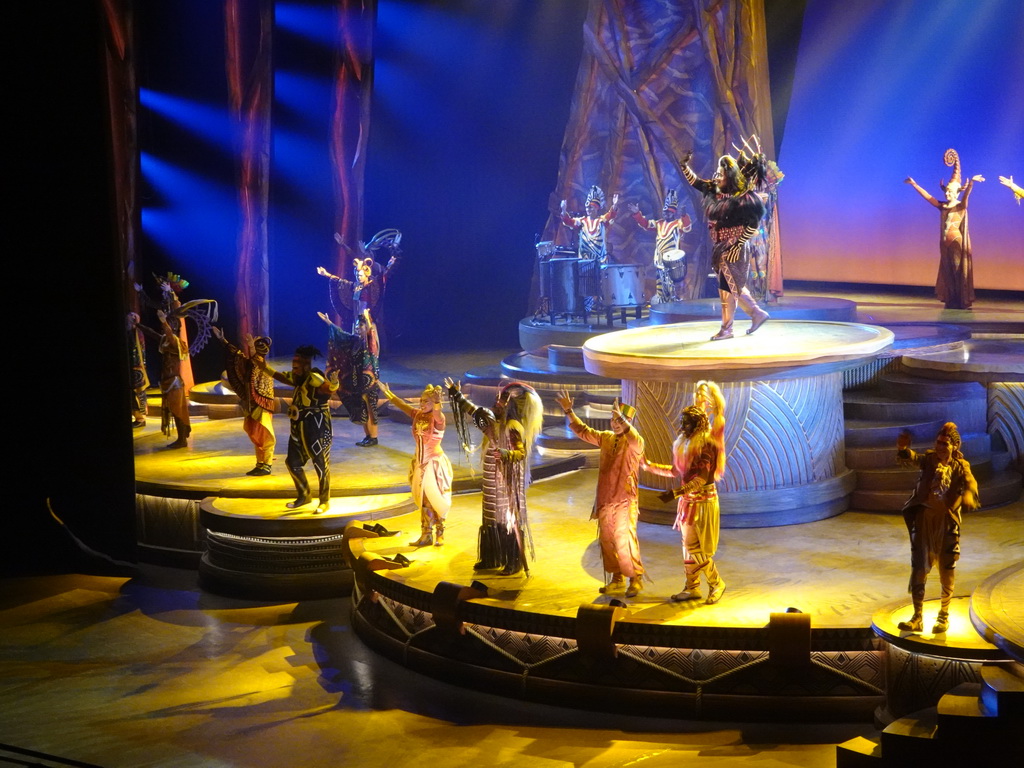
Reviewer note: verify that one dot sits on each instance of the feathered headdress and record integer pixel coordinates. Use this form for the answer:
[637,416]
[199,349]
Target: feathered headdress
[671,200]
[595,195]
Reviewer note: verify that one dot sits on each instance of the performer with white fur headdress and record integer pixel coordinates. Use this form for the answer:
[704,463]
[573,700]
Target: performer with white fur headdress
[509,430]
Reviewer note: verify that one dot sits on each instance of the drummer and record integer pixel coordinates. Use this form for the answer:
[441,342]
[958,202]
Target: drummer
[668,229]
[593,243]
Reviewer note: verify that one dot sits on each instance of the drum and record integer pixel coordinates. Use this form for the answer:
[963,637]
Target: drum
[562,284]
[545,248]
[622,285]
[675,264]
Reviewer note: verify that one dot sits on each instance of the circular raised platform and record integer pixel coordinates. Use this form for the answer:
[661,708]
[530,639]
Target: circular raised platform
[683,351]
[985,360]
[997,610]
[959,642]
[535,336]
[786,308]
[267,517]
[784,417]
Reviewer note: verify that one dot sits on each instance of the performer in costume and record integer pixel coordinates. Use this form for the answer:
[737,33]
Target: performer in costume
[615,507]
[764,176]
[173,390]
[310,437]
[954,285]
[1018,191]
[202,312]
[356,358]
[350,298]
[246,372]
[593,244]
[699,459]
[430,472]
[667,231]
[734,212]
[932,514]
[509,430]
[137,370]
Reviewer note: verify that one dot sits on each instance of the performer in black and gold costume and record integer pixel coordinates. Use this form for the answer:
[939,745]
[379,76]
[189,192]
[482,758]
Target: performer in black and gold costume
[734,211]
[310,438]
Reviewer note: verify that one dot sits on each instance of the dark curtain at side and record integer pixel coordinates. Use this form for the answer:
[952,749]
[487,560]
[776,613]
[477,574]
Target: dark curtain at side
[123,97]
[353,88]
[248,33]
[656,79]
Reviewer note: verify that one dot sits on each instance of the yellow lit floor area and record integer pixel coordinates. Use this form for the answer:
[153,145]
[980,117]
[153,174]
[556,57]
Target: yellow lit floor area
[150,671]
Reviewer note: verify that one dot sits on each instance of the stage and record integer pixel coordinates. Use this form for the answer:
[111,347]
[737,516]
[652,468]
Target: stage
[538,636]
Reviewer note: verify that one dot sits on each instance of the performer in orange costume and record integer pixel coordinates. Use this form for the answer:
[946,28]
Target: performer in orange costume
[255,390]
[615,507]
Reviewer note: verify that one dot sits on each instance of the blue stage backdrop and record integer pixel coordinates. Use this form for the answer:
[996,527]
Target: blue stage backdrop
[882,89]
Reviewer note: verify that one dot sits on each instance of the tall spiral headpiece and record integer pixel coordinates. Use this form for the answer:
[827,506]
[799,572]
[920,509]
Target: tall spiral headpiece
[671,200]
[953,159]
[596,195]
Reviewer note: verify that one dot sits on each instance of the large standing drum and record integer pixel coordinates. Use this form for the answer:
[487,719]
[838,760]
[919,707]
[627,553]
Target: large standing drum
[590,277]
[623,285]
[675,264]
[563,284]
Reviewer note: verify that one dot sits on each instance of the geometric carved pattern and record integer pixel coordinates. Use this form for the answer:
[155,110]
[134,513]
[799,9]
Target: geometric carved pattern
[917,680]
[711,670]
[782,433]
[1006,418]
[526,648]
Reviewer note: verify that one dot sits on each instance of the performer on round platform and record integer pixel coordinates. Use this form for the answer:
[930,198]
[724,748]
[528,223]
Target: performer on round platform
[509,430]
[734,211]
[173,390]
[944,488]
[667,231]
[592,230]
[310,437]
[954,285]
[764,177]
[247,375]
[137,370]
[699,459]
[355,356]
[430,472]
[615,508]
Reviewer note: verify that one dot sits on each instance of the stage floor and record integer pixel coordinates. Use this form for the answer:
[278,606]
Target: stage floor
[840,570]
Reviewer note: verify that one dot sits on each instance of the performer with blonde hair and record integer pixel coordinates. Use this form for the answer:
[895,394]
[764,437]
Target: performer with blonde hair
[430,472]
[699,460]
